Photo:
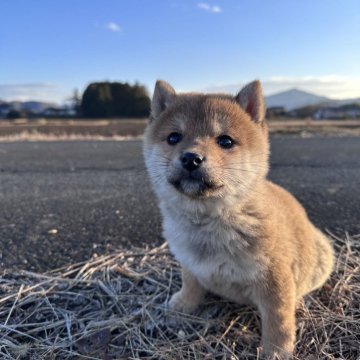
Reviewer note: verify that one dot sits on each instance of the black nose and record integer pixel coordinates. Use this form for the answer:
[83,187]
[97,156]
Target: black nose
[191,161]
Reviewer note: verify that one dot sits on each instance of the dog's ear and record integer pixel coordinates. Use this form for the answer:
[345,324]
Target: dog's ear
[251,99]
[163,96]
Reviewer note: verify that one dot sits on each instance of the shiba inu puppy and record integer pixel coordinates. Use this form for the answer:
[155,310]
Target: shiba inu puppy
[235,233]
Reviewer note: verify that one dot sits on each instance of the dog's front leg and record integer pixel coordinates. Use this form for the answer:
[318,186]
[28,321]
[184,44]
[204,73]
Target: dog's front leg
[190,296]
[277,310]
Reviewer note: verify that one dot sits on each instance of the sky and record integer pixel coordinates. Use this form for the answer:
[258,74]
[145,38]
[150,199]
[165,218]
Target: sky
[48,48]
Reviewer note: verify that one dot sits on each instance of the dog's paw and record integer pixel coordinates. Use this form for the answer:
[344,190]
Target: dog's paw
[179,302]
[270,354]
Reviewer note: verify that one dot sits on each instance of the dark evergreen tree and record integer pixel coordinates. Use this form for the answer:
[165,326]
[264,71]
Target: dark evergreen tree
[115,99]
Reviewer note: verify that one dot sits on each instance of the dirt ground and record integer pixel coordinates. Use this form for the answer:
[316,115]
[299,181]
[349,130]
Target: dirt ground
[64,201]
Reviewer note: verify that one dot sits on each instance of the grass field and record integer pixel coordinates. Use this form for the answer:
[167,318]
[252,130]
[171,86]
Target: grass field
[112,307]
[57,129]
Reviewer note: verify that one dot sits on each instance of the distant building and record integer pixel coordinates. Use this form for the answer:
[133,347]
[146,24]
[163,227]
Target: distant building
[275,112]
[59,112]
[351,111]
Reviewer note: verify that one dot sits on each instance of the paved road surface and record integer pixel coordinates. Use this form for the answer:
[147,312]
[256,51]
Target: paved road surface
[97,196]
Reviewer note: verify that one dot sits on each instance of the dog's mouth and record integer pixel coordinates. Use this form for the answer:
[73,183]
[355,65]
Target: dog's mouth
[195,187]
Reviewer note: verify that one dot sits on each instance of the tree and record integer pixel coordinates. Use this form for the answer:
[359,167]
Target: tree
[96,100]
[15,114]
[75,101]
[115,99]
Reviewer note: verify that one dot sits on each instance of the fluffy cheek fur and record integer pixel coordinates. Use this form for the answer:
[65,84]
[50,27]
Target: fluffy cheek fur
[156,165]
[242,171]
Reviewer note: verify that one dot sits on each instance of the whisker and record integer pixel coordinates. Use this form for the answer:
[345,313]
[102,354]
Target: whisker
[245,170]
[239,166]
[248,188]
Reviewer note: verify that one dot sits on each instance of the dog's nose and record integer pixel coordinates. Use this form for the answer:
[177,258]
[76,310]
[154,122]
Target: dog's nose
[191,161]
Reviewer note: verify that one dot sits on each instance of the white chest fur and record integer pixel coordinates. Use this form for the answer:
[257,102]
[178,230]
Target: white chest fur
[213,251]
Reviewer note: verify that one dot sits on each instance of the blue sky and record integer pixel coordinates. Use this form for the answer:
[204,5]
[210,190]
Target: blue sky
[50,47]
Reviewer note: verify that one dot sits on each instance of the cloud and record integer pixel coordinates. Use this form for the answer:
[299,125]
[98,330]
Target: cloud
[209,8]
[112,26]
[47,92]
[332,86]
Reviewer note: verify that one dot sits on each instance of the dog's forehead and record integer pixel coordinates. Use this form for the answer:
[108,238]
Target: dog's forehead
[207,114]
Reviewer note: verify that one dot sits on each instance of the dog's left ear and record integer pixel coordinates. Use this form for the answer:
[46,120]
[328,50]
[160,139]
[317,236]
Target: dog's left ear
[251,99]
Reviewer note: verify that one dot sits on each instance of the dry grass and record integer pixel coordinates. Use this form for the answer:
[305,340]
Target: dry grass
[122,129]
[44,130]
[113,307]
[38,136]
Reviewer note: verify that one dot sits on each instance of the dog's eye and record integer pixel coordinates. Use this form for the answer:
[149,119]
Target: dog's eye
[225,141]
[174,138]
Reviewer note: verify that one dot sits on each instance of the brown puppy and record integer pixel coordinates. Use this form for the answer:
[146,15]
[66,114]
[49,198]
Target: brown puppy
[235,233]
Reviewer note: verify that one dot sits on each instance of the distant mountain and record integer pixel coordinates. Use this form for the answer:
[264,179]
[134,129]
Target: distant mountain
[35,107]
[295,98]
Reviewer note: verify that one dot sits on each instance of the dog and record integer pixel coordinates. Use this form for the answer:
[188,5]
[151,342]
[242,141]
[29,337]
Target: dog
[235,233]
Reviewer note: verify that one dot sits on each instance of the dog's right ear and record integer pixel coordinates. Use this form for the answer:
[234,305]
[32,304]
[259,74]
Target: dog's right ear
[163,96]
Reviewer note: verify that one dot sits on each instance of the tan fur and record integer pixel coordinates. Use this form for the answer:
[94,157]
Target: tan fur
[241,237]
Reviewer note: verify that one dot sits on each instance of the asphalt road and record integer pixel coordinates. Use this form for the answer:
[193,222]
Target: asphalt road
[97,197]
